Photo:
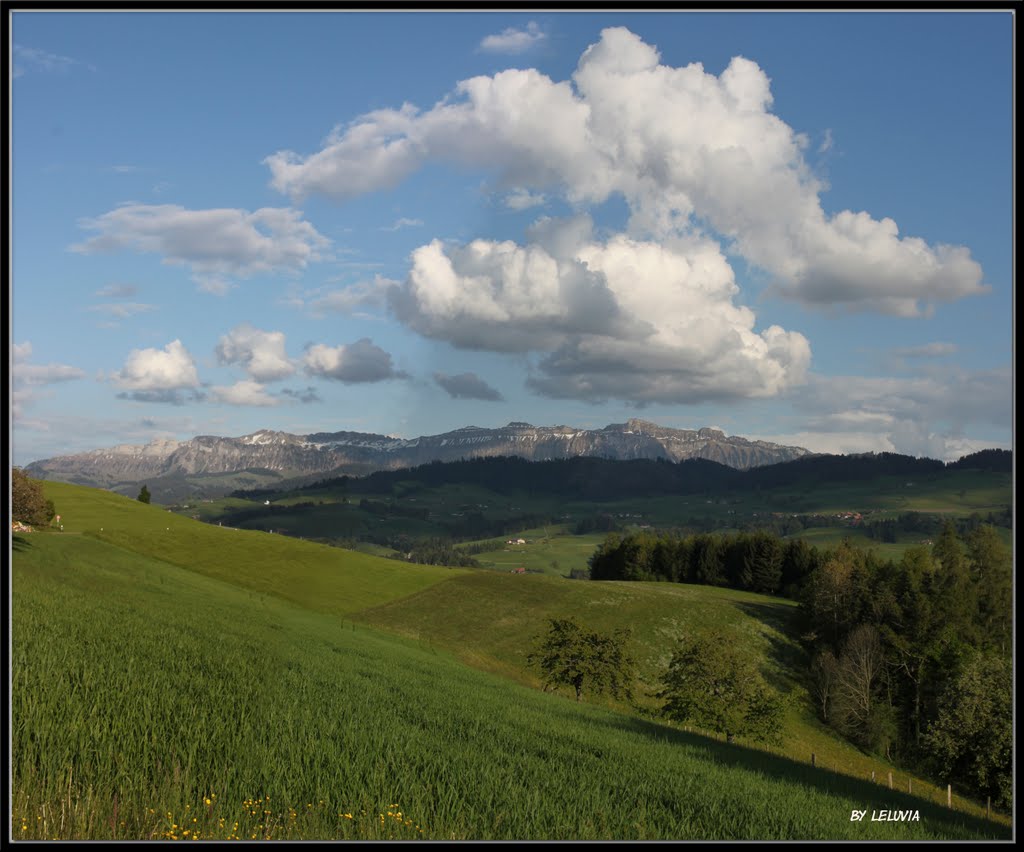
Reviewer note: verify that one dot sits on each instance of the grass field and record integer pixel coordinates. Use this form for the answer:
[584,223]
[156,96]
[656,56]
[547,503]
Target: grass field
[240,684]
[325,579]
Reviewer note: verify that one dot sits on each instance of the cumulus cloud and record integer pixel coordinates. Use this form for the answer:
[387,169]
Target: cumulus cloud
[216,244]
[260,353]
[350,363]
[626,319]
[467,386]
[689,151]
[165,375]
[512,40]
[246,392]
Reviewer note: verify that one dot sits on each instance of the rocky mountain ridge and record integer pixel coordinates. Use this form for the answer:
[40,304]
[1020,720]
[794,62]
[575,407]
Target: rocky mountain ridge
[271,455]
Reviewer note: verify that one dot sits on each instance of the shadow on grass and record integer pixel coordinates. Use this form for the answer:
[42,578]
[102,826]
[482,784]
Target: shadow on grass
[19,542]
[787,656]
[865,793]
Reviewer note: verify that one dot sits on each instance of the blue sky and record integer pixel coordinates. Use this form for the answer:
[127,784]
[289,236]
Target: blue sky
[791,226]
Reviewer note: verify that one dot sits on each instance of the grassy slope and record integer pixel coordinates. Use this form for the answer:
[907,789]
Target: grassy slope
[142,691]
[322,578]
[509,613]
[488,618]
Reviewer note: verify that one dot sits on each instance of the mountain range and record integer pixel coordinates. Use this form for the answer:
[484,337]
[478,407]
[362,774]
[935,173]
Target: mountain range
[208,466]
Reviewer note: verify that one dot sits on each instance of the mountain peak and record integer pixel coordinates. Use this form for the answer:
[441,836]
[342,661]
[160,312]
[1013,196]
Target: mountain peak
[283,455]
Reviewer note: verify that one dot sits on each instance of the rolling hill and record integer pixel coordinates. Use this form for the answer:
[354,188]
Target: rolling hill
[170,677]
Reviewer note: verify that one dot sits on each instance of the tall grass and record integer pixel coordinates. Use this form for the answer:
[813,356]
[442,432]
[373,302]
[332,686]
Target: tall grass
[149,701]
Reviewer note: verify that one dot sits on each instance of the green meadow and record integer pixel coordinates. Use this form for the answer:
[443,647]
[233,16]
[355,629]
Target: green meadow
[178,680]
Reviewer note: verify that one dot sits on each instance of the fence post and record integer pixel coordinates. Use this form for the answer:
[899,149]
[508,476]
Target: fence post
[872,775]
[812,758]
[988,808]
[890,780]
[910,785]
[949,795]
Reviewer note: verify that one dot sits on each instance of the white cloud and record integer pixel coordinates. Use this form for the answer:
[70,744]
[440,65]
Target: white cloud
[687,149]
[361,361]
[826,142]
[924,415]
[117,291]
[156,374]
[27,59]
[467,386]
[404,223]
[523,199]
[927,350]
[346,300]
[216,244]
[626,319]
[246,392]
[25,373]
[121,310]
[511,40]
[261,353]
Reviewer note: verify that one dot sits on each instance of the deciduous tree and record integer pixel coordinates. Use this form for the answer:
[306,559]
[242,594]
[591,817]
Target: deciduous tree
[28,504]
[710,684]
[972,739]
[571,655]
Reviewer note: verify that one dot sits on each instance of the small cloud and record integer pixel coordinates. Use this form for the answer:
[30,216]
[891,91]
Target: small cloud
[826,143]
[467,386]
[153,374]
[522,199]
[125,170]
[927,350]
[28,59]
[361,361]
[404,223]
[122,310]
[25,373]
[117,291]
[261,353]
[306,395]
[216,244]
[164,397]
[511,40]
[245,392]
[346,300]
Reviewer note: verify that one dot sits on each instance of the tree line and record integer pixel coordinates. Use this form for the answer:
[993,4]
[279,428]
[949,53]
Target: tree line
[756,561]
[909,658]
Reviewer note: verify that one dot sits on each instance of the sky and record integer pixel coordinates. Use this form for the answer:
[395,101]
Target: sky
[792,226]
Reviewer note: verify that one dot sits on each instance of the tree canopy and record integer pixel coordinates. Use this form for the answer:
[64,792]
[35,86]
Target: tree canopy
[28,503]
[571,655]
[710,684]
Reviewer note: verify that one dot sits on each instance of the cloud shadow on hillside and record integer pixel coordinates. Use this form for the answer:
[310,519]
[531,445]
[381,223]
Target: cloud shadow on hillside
[870,794]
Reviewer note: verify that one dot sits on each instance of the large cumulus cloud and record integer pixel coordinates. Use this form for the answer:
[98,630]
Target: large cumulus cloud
[615,319]
[691,152]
